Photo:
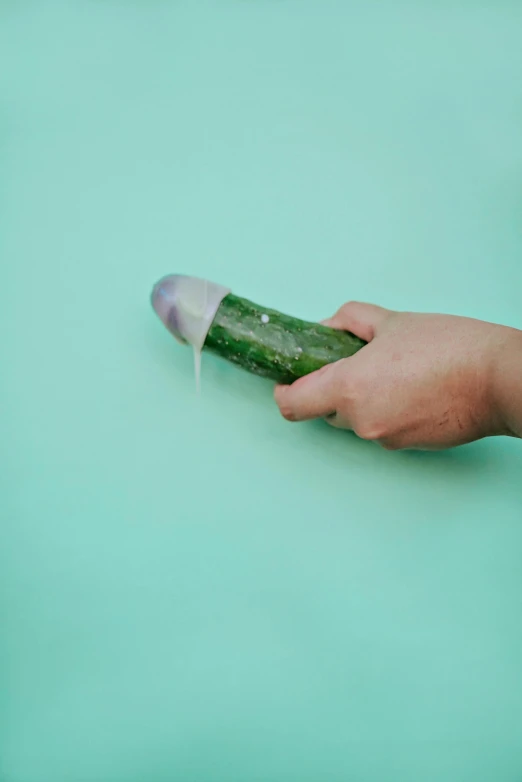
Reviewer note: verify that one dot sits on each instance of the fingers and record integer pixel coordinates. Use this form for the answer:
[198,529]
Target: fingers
[312,396]
[363,320]
[320,394]
[339,421]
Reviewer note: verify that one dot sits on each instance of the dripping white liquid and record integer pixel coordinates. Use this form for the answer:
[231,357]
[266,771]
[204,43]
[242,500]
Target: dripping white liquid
[196,303]
[197,368]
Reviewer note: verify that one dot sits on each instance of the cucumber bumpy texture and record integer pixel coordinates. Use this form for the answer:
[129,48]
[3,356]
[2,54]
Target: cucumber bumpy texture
[273,345]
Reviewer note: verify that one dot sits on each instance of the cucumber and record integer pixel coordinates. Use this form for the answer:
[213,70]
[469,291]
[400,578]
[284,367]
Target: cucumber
[261,340]
[277,346]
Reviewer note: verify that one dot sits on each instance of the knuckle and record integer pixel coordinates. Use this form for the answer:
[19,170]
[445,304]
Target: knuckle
[347,308]
[367,433]
[389,445]
[368,430]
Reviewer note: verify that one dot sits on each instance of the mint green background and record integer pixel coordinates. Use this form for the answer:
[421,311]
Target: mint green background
[193,589]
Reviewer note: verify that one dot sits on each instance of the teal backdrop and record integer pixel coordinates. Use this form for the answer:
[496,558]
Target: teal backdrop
[192,589]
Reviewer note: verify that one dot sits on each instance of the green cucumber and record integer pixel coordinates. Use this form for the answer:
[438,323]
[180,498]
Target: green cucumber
[277,346]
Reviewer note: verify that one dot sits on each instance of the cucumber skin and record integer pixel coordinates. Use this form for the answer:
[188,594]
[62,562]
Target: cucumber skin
[283,349]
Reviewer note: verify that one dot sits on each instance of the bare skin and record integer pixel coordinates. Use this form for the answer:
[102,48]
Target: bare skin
[423,382]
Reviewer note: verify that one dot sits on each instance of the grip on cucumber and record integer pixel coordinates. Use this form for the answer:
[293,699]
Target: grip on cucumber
[261,340]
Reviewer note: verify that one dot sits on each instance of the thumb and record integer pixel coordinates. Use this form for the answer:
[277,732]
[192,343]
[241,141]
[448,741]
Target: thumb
[313,396]
[363,320]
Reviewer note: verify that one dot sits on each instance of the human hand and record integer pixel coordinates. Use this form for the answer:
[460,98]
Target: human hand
[422,382]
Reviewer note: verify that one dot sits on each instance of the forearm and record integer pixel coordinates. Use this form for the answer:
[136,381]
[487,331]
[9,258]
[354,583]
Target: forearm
[508,383]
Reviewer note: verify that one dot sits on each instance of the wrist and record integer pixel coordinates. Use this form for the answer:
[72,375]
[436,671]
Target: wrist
[507,383]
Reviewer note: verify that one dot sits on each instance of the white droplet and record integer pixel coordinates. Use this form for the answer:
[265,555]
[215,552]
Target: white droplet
[264,318]
[299,350]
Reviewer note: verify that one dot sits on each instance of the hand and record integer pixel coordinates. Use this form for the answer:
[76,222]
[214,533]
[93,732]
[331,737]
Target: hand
[422,382]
